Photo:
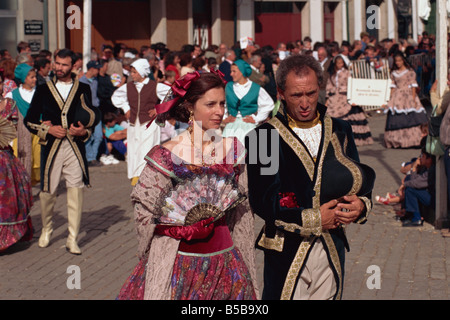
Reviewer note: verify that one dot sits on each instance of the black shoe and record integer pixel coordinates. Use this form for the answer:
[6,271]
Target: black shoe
[94,163]
[409,223]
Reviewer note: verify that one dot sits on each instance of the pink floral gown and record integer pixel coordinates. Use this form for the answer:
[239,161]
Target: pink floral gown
[406,115]
[338,107]
[219,267]
[15,192]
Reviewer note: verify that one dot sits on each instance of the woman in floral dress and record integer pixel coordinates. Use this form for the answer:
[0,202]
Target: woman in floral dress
[338,106]
[206,260]
[15,184]
[406,116]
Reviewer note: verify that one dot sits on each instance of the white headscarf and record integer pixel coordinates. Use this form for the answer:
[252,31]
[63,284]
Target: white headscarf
[142,67]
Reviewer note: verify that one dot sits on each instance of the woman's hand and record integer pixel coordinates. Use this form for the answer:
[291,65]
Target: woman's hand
[199,230]
[249,119]
[229,119]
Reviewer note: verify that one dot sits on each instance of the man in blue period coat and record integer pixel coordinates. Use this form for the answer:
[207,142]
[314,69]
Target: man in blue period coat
[319,187]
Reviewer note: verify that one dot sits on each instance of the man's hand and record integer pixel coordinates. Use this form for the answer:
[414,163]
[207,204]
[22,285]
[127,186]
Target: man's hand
[328,215]
[152,113]
[57,131]
[77,131]
[353,208]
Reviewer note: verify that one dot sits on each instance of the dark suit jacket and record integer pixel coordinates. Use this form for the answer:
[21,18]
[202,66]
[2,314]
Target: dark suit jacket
[225,68]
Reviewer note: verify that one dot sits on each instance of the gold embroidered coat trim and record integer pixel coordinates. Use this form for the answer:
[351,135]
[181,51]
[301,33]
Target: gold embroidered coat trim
[368,204]
[42,130]
[275,243]
[354,170]
[78,154]
[90,111]
[295,145]
[48,164]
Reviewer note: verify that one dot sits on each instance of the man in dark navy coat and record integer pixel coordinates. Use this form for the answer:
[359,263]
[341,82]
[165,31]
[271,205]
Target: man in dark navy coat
[306,182]
[225,66]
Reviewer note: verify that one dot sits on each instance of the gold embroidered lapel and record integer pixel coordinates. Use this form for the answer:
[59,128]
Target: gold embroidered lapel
[59,100]
[64,106]
[89,110]
[328,132]
[295,145]
[354,170]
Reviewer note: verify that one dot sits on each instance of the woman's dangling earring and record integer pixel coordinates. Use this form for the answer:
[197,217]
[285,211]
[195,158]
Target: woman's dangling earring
[191,122]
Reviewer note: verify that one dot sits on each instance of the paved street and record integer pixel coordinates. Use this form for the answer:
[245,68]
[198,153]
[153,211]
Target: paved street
[412,261]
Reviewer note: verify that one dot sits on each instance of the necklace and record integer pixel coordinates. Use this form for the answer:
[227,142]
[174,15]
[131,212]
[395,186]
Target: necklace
[198,153]
[303,124]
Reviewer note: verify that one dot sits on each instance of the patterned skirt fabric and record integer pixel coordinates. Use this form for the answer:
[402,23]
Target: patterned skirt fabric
[134,286]
[222,276]
[405,130]
[360,126]
[219,276]
[404,138]
[354,115]
[16,200]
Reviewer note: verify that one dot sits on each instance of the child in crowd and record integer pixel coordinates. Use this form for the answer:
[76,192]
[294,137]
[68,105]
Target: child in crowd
[163,87]
[116,138]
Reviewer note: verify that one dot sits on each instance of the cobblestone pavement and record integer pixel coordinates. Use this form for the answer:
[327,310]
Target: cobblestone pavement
[412,262]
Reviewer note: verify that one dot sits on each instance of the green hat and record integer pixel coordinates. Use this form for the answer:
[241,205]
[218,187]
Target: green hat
[244,67]
[21,71]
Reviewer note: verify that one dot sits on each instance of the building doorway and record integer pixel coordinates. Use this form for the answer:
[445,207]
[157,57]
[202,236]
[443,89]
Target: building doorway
[201,14]
[277,22]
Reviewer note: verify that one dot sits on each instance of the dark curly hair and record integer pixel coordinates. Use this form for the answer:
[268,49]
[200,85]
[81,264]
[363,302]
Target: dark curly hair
[206,82]
[300,65]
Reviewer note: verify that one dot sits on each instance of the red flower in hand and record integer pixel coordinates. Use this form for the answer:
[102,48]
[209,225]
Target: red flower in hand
[288,200]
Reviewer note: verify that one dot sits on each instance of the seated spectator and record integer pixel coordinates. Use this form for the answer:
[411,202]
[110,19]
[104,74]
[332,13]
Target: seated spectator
[419,189]
[116,138]
[398,198]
